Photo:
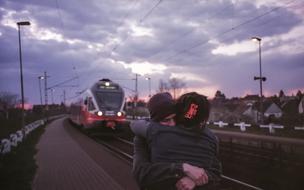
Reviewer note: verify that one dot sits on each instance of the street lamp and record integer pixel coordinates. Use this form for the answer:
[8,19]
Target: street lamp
[262,79]
[39,79]
[136,89]
[149,79]
[24,23]
[52,91]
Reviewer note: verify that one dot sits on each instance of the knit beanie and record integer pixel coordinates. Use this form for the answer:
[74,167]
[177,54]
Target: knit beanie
[192,109]
[160,106]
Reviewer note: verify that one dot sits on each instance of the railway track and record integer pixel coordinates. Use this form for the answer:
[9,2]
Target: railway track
[267,162]
[124,149]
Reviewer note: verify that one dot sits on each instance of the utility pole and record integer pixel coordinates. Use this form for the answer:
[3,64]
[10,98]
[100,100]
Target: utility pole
[136,89]
[135,95]
[64,97]
[260,78]
[46,95]
[39,80]
[19,24]
[149,80]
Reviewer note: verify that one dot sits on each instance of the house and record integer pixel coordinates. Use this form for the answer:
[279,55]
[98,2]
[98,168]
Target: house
[251,112]
[273,110]
[251,99]
[227,111]
[270,109]
[301,106]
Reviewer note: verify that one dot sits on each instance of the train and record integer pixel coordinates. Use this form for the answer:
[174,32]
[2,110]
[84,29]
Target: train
[100,107]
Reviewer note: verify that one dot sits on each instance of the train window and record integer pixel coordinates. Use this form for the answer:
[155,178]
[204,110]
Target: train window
[90,104]
[108,87]
[109,100]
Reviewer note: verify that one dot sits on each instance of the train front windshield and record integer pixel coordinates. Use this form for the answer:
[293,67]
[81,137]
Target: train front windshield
[109,100]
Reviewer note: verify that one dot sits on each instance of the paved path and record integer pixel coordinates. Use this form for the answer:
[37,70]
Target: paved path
[63,164]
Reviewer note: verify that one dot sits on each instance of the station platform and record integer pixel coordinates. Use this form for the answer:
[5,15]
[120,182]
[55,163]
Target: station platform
[67,159]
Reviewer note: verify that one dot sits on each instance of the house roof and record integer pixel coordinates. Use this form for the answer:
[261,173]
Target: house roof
[268,107]
[251,97]
[273,108]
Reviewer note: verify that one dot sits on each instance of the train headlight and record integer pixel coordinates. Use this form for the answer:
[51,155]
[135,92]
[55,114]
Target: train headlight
[107,84]
[119,114]
[99,113]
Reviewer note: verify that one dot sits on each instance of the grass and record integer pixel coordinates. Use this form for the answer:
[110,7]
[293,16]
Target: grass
[17,168]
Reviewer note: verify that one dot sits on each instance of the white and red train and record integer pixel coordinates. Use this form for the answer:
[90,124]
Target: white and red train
[100,106]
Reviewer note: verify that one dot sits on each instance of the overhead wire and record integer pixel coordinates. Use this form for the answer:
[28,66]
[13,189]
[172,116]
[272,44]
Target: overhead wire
[149,12]
[140,21]
[240,32]
[121,23]
[219,12]
[59,14]
[226,31]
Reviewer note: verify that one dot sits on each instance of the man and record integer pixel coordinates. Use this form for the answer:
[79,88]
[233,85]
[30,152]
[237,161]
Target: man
[163,169]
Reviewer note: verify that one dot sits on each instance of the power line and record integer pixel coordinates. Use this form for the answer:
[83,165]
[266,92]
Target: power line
[121,23]
[254,31]
[219,12]
[61,83]
[227,31]
[149,12]
[140,21]
[59,14]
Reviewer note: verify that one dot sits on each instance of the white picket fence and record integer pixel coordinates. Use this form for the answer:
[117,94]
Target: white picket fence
[16,138]
[243,126]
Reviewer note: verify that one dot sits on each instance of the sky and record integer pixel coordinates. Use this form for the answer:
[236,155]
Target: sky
[206,44]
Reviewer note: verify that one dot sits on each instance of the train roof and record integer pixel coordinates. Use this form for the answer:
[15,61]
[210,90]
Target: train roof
[106,85]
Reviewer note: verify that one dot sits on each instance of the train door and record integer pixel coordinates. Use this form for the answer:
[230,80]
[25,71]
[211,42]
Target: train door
[88,111]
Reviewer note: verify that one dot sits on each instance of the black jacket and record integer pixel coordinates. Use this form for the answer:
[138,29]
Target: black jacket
[169,148]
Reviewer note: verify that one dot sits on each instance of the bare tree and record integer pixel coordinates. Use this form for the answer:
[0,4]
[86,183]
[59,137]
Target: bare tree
[8,99]
[163,86]
[176,85]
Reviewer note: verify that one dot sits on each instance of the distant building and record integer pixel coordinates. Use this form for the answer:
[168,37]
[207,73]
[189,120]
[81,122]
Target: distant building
[301,106]
[227,110]
[251,112]
[247,109]
[251,99]
[270,109]
[273,110]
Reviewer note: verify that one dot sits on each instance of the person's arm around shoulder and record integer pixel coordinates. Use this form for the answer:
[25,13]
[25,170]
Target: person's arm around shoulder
[140,128]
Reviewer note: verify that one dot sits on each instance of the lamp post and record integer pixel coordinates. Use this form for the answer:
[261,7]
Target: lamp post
[149,79]
[136,89]
[52,91]
[262,79]
[39,79]
[19,24]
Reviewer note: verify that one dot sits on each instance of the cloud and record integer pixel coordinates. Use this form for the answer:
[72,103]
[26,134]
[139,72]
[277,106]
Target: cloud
[234,49]
[139,31]
[287,43]
[205,43]
[145,68]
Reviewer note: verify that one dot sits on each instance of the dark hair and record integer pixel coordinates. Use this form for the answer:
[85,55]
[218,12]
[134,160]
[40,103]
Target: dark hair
[160,106]
[192,110]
